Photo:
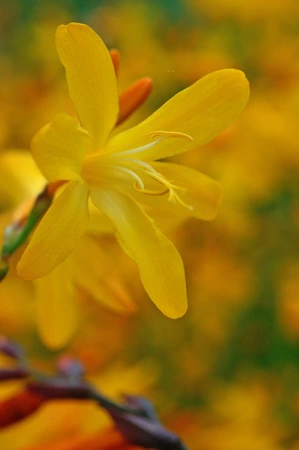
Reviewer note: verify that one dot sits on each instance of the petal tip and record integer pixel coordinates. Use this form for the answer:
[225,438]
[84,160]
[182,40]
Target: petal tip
[61,29]
[23,272]
[27,272]
[217,200]
[64,32]
[237,74]
[70,25]
[241,76]
[177,313]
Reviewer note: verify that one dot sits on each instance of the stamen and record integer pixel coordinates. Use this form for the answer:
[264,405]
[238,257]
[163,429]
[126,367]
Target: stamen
[149,192]
[135,150]
[170,134]
[133,174]
[169,188]
[147,169]
[174,197]
[139,163]
[161,134]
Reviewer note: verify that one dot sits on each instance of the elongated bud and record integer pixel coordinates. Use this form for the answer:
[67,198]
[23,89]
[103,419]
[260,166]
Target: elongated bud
[115,56]
[133,97]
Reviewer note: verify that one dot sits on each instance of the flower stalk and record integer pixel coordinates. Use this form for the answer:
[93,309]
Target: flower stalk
[19,230]
[135,418]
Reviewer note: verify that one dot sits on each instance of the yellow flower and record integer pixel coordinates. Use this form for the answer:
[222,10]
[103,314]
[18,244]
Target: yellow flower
[120,174]
[53,300]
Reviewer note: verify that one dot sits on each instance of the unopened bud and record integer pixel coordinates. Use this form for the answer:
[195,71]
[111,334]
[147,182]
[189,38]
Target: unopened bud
[10,348]
[70,368]
[142,405]
[145,431]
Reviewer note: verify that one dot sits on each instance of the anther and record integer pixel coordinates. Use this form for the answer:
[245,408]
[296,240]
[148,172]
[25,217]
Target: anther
[170,134]
[149,192]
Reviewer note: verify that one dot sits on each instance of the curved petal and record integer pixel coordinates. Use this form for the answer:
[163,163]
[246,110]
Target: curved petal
[59,147]
[56,235]
[98,223]
[160,265]
[199,192]
[56,311]
[91,78]
[201,111]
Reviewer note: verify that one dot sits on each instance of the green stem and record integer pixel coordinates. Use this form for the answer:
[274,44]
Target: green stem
[17,233]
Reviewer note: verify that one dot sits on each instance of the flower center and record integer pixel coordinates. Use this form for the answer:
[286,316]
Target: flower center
[121,165]
[146,169]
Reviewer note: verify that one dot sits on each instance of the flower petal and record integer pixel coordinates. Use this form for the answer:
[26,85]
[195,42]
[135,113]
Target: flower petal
[202,111]
[160,265]
[98,223]
[56,235]
[91,78]
[59,147]
[199,192]
[98,275]
[56,307]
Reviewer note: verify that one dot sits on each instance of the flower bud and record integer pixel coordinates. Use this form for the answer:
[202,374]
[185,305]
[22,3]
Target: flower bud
[11,349]
[70,368]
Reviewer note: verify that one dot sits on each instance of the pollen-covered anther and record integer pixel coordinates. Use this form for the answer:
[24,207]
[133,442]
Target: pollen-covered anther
[170,134]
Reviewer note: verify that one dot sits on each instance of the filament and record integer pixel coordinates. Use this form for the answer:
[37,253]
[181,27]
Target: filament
[133,151]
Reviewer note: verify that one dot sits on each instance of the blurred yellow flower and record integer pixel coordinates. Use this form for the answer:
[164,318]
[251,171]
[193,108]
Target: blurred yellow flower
[116,173]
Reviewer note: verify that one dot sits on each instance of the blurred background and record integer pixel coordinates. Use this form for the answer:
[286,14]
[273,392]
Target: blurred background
[226,375]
